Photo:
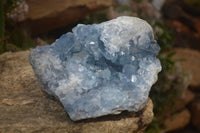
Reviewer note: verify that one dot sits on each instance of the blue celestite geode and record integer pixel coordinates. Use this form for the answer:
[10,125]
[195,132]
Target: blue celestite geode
[100,69]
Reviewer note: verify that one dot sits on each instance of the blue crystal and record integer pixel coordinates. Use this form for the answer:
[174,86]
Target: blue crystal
[100,69]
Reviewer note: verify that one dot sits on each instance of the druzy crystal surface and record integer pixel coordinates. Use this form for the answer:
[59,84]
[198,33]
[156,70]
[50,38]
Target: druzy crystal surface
[100,69]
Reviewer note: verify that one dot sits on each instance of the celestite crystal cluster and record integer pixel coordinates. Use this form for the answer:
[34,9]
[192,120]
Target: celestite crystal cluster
[100,69]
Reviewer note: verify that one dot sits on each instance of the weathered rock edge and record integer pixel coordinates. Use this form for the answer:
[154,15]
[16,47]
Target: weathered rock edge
[45,15]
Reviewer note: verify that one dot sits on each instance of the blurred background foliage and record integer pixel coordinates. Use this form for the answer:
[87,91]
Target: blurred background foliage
[12,36]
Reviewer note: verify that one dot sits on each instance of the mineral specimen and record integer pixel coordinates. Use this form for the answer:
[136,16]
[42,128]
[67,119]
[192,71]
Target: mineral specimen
[100,69]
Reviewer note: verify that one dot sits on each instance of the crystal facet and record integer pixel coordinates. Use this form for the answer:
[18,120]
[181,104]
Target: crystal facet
[100,69]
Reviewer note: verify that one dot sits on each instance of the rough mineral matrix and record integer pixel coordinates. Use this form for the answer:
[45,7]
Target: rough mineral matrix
[100,69]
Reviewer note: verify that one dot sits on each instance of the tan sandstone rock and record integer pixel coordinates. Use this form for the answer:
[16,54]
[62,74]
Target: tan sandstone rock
[191,63]
[45,15]
[25,108]
[184,100]
[177,121]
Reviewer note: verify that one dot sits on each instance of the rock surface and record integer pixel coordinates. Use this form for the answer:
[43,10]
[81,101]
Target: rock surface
[177,121]
[45,15]
[100,69]
[24,108]
[184,100]
[191,64]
